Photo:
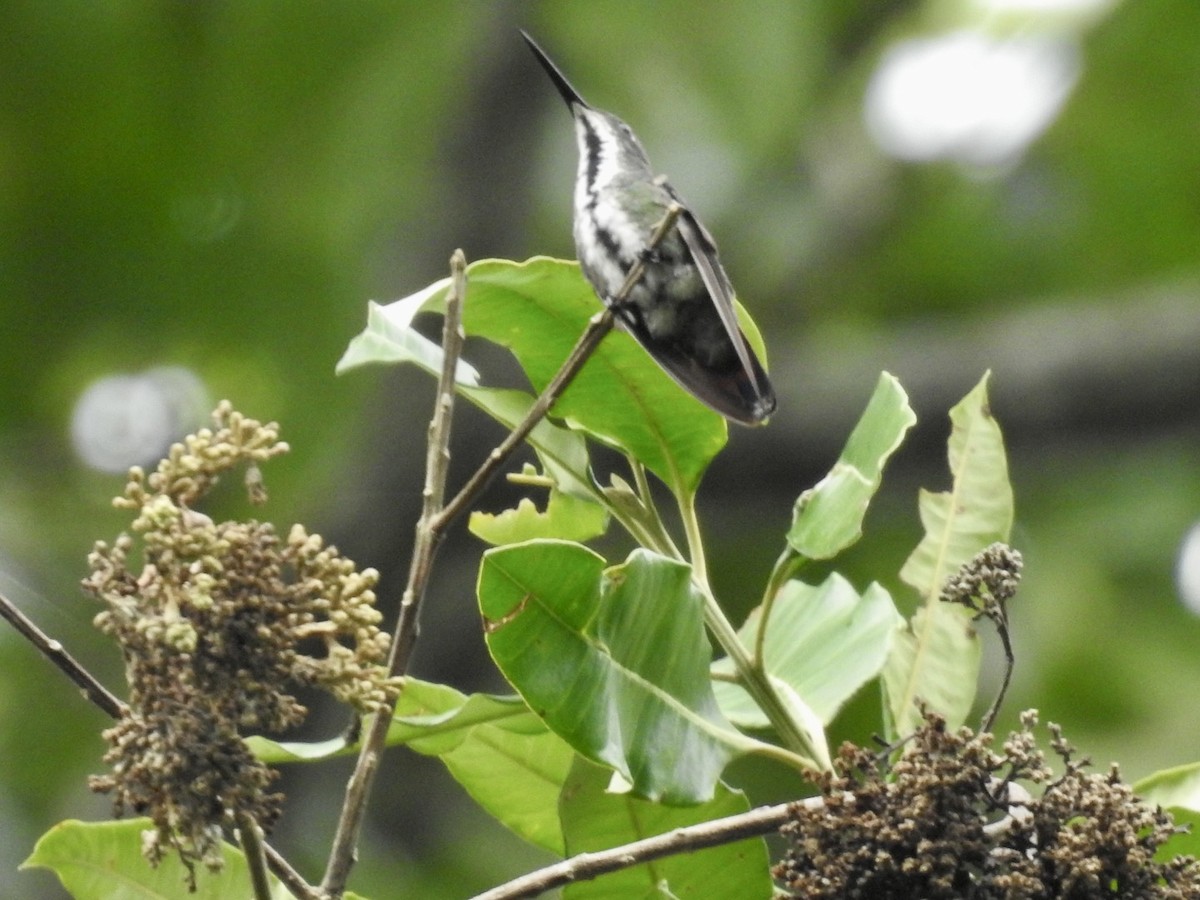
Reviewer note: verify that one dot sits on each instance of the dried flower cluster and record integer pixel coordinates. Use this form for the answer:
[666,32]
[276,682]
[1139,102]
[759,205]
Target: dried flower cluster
[950,821]
[210,628]
[987,581]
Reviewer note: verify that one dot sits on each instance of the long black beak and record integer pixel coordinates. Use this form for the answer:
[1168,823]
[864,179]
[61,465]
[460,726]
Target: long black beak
[569,94]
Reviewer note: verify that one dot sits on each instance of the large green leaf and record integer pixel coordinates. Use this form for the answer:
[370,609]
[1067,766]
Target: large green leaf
[103,861]
[538,309]
[828,518]
[936,659]
[501,753]
[596,819]
[615,661]
[824,642]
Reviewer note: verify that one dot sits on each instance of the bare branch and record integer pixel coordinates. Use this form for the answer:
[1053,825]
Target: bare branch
[586,866]
[342,853]
[291,879]
[93,690]
[251,838]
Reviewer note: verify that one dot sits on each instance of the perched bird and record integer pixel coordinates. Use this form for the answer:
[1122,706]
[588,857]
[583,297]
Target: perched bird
[681,310]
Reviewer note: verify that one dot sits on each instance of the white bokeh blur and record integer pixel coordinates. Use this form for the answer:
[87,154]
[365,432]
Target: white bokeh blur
[131,419]
[1187,570]
[969,97]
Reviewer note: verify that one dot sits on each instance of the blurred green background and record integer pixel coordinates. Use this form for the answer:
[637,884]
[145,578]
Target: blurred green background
[219,188]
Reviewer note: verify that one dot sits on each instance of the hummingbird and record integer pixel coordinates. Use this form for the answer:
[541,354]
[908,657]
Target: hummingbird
[681,309]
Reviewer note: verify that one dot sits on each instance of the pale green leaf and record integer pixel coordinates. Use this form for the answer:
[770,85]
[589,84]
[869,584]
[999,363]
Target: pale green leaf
[936,660]
[825,642]
[807,720]
[276,752]
[501,753]
[828,518]
[978,508]
[1178,786]
[567,517]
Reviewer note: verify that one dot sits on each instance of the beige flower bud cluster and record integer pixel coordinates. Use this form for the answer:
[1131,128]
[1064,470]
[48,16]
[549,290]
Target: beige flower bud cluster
[218,623]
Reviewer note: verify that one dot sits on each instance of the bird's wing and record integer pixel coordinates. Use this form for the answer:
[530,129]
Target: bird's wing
[704,253]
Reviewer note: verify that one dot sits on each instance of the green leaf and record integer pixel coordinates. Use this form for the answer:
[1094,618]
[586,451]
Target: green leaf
[595,819]
[566,517]
[276,752]
[615,661]
[810,725]
[977,510]
[500,752]
[824,642]
[1185,842]
[936,659]
[425,713]
[103,860]
[538,309]
[828,518]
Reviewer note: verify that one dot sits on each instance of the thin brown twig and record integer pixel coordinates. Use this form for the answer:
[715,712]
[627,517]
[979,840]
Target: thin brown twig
[586,866]
[92,689]
[342,853]
[251,838]
[291,879]
[999,616]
